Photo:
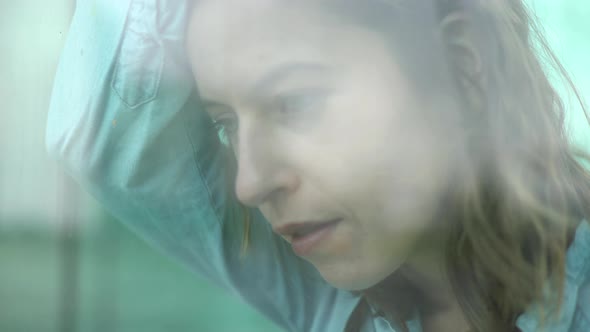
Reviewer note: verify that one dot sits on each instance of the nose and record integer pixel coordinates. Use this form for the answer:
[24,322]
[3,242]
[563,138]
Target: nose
[262,171]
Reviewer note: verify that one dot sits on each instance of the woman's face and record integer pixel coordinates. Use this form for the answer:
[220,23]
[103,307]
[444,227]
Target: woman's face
[324,126]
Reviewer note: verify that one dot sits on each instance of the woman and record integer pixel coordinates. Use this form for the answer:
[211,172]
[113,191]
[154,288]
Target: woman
[399,165]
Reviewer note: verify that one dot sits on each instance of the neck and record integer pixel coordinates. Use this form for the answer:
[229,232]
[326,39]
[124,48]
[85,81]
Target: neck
[425,271]
[421,283]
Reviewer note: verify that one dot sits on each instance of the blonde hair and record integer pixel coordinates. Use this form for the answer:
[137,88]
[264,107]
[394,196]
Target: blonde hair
[515,205]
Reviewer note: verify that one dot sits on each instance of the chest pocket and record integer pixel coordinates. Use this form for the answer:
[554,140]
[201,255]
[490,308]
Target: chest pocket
[139,63]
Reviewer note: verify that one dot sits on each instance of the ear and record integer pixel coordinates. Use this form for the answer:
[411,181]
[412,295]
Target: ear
[460,42]
[463,56]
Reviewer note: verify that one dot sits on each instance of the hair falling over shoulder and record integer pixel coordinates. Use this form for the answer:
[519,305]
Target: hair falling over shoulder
[525,188]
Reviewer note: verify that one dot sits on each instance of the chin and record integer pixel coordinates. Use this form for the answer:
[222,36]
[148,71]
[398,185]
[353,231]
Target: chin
[350,282]
[356,278]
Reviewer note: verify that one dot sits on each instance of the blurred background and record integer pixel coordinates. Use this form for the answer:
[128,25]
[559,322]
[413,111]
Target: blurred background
[85,272]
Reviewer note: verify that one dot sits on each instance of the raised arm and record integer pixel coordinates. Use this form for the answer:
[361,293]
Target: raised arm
[125,123]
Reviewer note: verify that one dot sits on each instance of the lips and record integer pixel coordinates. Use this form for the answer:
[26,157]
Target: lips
[307,236]
[306,229]
[299,229]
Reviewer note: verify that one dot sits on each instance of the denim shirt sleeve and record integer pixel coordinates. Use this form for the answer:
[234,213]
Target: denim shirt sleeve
[125,123]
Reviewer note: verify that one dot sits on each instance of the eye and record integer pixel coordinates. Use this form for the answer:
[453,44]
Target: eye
[227,128]
[300,101]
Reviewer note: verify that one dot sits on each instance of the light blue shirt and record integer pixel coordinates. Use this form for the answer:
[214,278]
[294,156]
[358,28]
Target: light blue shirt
[126,125]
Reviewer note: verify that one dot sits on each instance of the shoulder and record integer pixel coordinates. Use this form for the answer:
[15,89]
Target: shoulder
[581,262]
[581,319]
[584,298]
[584,293]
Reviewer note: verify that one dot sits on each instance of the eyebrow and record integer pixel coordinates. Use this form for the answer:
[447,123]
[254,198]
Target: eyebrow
[268,81]
[284,70]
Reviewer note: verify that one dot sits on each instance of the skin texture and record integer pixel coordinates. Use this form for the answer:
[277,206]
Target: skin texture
[339,134]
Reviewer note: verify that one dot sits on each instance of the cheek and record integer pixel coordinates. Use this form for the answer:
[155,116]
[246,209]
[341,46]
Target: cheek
[394,173]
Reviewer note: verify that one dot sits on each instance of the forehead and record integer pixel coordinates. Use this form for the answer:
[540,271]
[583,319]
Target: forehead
[232,21]
[232,41]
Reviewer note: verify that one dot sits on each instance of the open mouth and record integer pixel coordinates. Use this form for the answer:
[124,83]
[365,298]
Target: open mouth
[308,229]
[305,239]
